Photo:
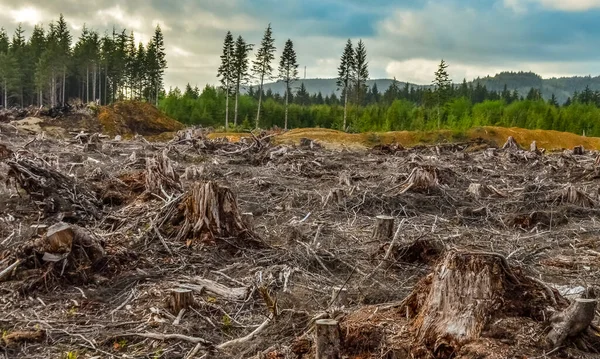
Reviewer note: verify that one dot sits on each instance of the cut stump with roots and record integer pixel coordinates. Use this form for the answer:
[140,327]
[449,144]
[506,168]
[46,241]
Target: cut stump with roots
[421,179]
[572,321]
[384,228]
[160,175]
[207,213]
[511,144]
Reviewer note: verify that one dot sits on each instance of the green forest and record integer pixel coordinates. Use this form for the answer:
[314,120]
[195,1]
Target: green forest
[51,68]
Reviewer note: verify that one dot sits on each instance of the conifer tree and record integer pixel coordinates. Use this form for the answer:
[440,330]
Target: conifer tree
[346,76]
[361,72]
[442,84]
[18,52]
[4,41]
[156,63]
[226,72]
[262,65]
[288,73]
[240,66]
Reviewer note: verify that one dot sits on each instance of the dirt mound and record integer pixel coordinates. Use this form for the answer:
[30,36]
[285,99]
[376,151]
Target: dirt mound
[133,117]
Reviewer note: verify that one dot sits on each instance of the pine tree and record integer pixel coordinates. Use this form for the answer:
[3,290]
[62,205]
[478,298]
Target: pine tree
[553,101]
[375,95]
[8,76]
[240,66]
[361,72]
[226,72]
[262,65]
[142,77]
[442,84]
[392,93]
[156,63]
[18,52]
[4,41]
[303,97]
[288,73]
[346,76]
[63,37]
[37,46]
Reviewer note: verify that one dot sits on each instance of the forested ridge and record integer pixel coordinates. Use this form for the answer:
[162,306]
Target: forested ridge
[51,67]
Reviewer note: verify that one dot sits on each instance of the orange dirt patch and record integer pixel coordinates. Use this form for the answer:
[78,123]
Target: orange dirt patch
[129,118]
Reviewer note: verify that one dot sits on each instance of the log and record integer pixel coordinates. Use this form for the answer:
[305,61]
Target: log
[180,299]
[578,150]
[339,297]
[572,321]
[384,228]
[327,339]
[217,289]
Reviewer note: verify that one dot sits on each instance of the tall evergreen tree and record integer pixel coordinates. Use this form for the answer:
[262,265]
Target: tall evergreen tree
[240,67]
[442,83]
[262,64]
[361,72]
[63,37]
[4,41]
[157,63]
[8,76]
[346,76]
[18,52]
[37,46]
[288,73]
[226,73]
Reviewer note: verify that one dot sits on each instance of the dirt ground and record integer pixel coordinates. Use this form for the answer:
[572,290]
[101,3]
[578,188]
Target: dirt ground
[313,215]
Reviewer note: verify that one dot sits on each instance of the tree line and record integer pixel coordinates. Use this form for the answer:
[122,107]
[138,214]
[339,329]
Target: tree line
[50,68]
[413,108]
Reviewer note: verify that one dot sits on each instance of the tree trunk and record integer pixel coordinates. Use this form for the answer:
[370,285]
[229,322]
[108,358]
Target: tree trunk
[327,339]
[180,299]
[572,321]
[262,77]
[345,107]
[227,106]
[384,229]
[64,84]
[94,84]
[237,94]
[87,84]
[287,96]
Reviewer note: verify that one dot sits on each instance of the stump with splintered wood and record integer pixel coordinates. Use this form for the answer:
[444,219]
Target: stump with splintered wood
[421,179]
[572,195]
[336,197]
[327,339]
[452,305]
[180,299]
[578,150]
[208,213]
[384,228]
[345,179]
[511,144]
[160,175]
[533,146]
[479,190]
[572,321]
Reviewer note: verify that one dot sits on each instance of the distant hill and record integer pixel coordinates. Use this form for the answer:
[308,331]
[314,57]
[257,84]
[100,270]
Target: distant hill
[521,81]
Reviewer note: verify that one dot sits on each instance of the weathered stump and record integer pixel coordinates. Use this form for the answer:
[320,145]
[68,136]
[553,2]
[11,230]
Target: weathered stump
[345,179]
[384,228]
[327,339]
[160,175]
[572,321]
[248,219]
[336,197]
[180,299]
[59,238]
[479,190]
[533,146]
[511,144]
[578,150]
[339,297]
[421,179]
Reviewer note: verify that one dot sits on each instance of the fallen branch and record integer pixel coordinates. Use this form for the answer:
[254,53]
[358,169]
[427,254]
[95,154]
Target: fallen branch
[163,337]
[9,269]
[247,337]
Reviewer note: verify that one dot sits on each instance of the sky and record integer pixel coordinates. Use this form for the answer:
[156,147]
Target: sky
[405,39]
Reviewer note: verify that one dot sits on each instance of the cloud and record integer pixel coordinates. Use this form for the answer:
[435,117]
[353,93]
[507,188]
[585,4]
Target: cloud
[562,5]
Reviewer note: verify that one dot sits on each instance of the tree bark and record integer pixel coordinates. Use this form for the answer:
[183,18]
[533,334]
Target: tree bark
[287,96]
[237,94]
[262,78]
[384,229]
[180,299]
[227,106]
[87,84]
[64,84]
[578,150]
[572,321]
[339,296]
[327,339]
[95,73]
[345,107]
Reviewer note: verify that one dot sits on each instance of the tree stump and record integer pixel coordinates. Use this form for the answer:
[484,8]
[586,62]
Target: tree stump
[339,297]
[180,299]
[511,144]
[572,321]
[384,228]
[578,150]
[345,179]
[327,339]
[160,175]
[533,147]
[336,197]
[59,238]
[248,219]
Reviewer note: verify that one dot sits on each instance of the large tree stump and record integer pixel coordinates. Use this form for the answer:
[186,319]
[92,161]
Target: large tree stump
[180,299]
[464,290]
[384,228]
[533,146]
[572,321]
[327,339]
[421,179]
[336,196]
[59,238]
[206,213]
[160,175]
